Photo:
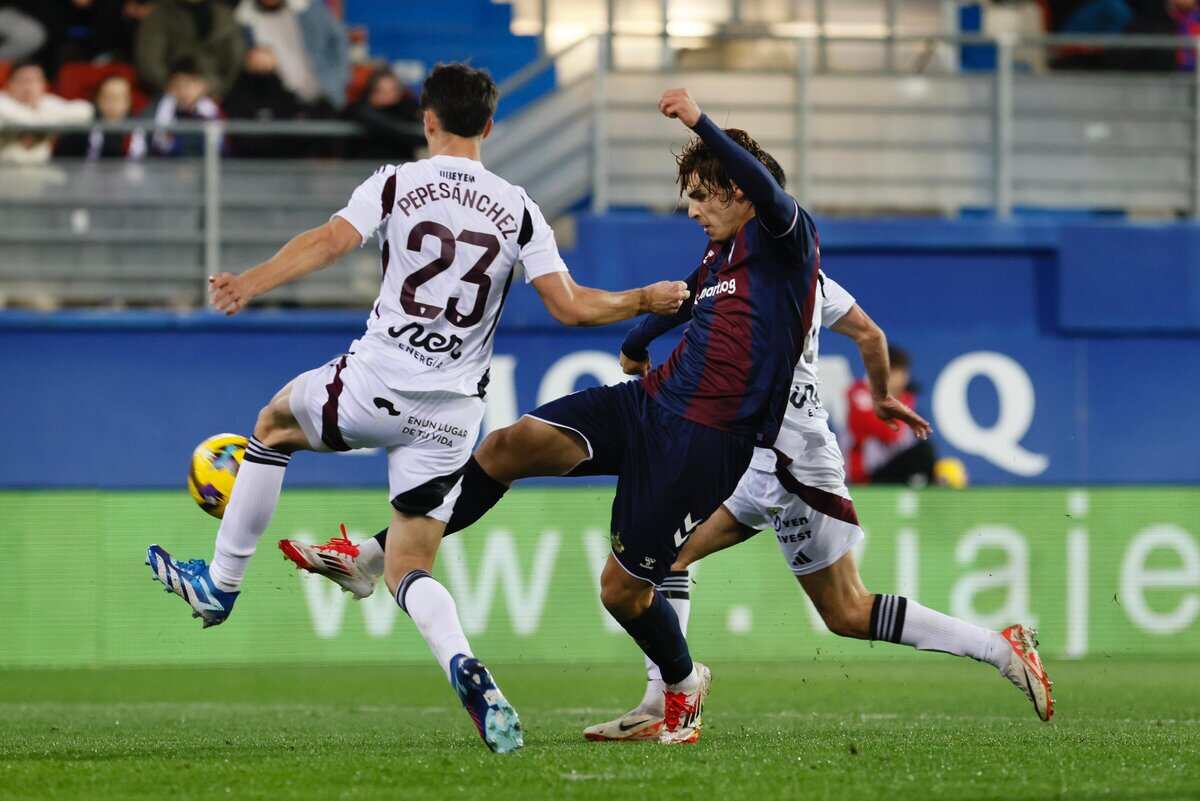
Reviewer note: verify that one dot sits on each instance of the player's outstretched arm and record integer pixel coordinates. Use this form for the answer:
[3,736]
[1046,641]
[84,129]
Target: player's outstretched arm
[635,356]
[872,346]
[776,209]
[305,253]
[572,304]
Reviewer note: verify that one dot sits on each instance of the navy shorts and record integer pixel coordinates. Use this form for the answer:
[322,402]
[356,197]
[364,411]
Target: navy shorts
[671,473]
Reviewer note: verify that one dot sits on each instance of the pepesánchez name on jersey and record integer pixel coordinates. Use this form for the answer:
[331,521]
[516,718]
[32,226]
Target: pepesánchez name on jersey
[754,298]
[450,234]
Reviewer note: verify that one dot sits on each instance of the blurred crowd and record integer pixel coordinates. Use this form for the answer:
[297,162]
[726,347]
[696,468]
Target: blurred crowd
[1123,17]
[81,62]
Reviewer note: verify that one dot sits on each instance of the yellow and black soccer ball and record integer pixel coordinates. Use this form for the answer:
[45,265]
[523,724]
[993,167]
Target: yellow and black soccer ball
[215,464]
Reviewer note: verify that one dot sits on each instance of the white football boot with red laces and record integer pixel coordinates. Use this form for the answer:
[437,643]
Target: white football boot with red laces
[681,721]
[1025,669]
[634,725]
[336,560]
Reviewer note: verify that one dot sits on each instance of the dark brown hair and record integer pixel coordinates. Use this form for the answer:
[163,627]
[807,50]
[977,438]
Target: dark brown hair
[462,97]
[697,161]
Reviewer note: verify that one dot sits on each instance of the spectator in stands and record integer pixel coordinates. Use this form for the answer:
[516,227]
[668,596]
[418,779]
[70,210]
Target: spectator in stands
[309,43]
[877,453]
[21,34]
[70,28]
[186,99]
[1109,17]
[25,101]
[114,101]
[259,94]
[391,115]
[200,31]
[115,24]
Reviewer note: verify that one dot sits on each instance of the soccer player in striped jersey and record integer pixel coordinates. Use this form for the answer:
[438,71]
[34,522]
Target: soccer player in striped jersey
[796,487]
[679,439]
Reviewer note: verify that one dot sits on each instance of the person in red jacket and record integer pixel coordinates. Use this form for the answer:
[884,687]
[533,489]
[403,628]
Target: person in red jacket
[881,452]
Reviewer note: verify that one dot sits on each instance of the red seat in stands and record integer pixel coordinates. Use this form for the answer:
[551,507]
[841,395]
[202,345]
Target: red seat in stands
[79,80]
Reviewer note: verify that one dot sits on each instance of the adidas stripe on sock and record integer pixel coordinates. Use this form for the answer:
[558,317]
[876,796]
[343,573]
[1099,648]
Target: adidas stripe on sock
[887,617]
[260,454]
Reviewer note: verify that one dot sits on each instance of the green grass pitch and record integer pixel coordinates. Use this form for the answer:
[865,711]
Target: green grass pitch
[826,729]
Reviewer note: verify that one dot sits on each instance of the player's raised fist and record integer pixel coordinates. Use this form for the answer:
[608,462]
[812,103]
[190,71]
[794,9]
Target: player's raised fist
[228,292]
[678,104]
[665,297]
[633,367]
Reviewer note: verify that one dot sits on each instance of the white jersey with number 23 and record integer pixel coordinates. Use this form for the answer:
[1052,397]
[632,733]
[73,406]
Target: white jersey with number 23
[450,234]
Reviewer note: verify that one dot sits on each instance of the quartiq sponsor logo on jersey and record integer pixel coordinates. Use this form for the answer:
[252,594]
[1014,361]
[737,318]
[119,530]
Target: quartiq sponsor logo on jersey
[724,288]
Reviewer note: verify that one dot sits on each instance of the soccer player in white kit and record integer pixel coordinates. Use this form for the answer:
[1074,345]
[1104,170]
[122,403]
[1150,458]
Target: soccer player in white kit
[450,234]
[798,488]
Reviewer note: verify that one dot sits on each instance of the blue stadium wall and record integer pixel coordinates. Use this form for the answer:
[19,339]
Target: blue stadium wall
[1046,353]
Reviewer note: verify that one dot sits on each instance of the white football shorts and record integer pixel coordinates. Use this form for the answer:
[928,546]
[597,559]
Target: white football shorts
[429,436]
[814,527]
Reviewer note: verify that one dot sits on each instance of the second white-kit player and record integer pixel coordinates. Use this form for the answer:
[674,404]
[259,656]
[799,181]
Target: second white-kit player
[451,234]
[798,489]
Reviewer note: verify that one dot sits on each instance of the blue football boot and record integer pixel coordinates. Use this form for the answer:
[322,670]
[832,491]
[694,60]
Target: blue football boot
[494,717]
[191,582]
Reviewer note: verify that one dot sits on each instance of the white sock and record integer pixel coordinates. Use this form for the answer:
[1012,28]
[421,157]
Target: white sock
[253,501]
[432,608]
[678,591]
[688,685]
[903,620]
[370,557]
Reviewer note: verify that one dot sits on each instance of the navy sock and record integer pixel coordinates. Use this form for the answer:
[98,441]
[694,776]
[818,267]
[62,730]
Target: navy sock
[658,634]
[480,492]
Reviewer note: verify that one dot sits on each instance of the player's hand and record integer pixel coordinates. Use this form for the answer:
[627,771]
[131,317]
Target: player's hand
[229,292]
[678,104]
[665,297]
[631,367]
[890,410]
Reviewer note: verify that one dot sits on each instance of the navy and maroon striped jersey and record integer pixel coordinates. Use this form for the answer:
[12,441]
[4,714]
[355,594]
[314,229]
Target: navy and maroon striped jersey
[750,311]
[752,308]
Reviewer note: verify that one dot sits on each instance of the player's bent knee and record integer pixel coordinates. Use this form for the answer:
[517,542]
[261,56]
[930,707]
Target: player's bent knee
[277,428]
[624,602]
[528,448]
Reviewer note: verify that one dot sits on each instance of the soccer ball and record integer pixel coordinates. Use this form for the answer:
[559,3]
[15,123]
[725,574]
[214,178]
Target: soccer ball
[215,464]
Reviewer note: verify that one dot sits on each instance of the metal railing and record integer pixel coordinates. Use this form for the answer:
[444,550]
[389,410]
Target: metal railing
[913,141]
[1013,119]
[819,14]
